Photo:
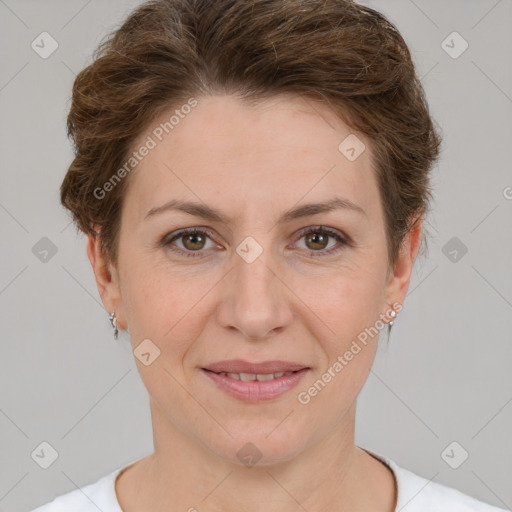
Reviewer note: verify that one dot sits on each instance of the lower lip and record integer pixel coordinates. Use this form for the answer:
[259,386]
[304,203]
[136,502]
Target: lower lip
[256,391]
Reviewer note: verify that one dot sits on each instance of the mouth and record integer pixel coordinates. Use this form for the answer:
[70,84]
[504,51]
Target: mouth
[240,367]
[260,377]
[258,382]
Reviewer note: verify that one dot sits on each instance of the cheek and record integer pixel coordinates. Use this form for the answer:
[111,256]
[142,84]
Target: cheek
[147,296]
[346,301]
[165,306]
[350,308]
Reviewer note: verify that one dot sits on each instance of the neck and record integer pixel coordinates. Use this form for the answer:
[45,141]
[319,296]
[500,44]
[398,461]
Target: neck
[182,474]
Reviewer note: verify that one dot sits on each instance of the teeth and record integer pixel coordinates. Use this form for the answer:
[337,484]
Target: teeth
[265,376]
[246,377]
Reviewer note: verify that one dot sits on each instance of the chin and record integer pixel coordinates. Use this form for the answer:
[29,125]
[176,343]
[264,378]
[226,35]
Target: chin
[257,447]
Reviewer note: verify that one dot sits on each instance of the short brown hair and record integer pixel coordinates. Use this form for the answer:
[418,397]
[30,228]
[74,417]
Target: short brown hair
[335,51]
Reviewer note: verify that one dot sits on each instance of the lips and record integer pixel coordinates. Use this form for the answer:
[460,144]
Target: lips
[239,366]
[255,388]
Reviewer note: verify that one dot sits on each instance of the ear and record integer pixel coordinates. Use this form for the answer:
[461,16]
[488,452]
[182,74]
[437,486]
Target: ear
[107,280]
[400,276]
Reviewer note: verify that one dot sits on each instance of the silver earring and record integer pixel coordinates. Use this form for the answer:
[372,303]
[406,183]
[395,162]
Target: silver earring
[113,321]
[392,315]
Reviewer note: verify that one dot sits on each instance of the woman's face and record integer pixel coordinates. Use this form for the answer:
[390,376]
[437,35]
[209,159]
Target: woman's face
[253,285]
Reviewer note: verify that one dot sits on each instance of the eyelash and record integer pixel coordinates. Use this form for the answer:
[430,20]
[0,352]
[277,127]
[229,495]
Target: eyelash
[166,241]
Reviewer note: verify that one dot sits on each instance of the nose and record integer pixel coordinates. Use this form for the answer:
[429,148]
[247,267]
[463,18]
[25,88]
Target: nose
[255,300]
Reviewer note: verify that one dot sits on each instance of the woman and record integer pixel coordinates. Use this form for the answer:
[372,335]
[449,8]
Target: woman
[253,177]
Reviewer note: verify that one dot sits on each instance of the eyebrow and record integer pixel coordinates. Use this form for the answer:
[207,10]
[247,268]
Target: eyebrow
[213,215]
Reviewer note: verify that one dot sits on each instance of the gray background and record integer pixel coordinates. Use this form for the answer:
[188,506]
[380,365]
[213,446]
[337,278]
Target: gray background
[446,374]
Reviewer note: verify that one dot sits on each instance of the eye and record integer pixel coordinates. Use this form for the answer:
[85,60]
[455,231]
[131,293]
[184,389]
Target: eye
[317,240]
[192,239]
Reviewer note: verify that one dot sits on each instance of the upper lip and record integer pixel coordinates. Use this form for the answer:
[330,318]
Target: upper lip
[241,366]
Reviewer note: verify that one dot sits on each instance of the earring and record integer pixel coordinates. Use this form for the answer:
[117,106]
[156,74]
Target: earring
[393,316]
[113,321]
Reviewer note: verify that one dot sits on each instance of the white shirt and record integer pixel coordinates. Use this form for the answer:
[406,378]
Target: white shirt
[415,494]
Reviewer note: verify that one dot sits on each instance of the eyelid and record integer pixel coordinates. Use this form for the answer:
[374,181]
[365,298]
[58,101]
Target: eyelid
[174,235]
[324,229]
[342,239]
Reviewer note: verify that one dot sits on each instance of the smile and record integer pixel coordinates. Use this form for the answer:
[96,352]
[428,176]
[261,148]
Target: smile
[246,377]
[255,387]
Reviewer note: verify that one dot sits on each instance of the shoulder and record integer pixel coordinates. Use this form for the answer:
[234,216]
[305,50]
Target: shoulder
[99,495]
[417,494]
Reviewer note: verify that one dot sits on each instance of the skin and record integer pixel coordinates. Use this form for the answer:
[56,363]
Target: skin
[253,163]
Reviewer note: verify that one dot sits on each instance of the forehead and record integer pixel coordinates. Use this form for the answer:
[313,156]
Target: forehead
[252,157]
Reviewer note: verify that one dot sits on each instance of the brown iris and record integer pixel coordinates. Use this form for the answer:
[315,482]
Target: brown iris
[197,241]
[317,238]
